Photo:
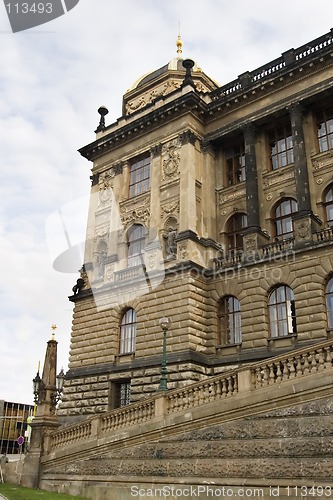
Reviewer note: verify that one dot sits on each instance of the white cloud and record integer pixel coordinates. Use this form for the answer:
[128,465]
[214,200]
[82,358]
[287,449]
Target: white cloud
[53,79]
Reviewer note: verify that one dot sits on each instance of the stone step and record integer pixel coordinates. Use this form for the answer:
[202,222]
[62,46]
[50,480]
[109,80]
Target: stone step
[320,470]
[246,448]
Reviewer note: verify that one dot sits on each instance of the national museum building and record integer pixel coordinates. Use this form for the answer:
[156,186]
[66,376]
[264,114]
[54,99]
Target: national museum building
[211,210]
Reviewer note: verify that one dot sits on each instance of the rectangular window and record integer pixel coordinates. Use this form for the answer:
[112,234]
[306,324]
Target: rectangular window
[139,176]
[281,147]
[235,164]
[325,129]
[120,394]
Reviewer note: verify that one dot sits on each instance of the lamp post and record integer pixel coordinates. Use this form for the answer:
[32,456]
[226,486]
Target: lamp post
[165,325]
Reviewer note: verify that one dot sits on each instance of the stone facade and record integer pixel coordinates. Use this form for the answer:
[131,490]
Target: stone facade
[183,165]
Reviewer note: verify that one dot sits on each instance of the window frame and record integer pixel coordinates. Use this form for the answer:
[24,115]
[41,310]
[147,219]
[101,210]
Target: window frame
[234,160]
[283,219]
[328,205]
[139,181]
[281,148]
[282,312]
[127,331]
[324,120]
[136,241]
[234,232]
[230,323]
[329,302]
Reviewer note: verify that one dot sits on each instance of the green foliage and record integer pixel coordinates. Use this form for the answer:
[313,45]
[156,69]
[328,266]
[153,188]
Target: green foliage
[13,492]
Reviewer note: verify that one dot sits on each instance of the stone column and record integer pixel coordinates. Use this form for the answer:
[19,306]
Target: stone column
[301,171]
[252,196]
[188,215]
[305,222]
[253,236]
[45,420]
[155,195]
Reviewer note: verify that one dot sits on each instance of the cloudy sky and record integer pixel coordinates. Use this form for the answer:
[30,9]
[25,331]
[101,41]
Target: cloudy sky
[53,79]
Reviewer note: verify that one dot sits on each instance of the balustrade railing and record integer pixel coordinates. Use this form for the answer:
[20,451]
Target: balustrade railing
[128,415]
[72,434]
[274,67]
[251,377]
[325,234]
[207,391]
[292,366]
[277,247]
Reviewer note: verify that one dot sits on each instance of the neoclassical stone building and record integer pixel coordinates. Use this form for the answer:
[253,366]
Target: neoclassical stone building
[212,206]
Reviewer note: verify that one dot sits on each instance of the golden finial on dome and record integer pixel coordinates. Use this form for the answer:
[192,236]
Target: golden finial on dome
[179,43]
[54,327]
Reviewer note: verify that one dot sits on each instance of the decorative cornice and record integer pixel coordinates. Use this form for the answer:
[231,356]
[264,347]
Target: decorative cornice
[190,102]
[188,137]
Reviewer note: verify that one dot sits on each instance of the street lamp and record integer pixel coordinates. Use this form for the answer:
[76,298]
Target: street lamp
[165,325]
[39,388]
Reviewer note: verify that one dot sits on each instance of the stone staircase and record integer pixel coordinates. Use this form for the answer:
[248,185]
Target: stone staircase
[261,430]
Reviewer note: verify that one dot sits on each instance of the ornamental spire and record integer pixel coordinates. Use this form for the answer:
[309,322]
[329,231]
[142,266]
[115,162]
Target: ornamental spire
[179,44]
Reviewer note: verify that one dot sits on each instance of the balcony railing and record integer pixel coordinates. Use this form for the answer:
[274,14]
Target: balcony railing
[279,65]
[291,366]
[325,234]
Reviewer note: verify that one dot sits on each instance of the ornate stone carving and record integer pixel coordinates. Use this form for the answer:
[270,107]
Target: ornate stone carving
[224,197]
[156,150]
[302,229]
[105,183]
[170,159]
[270,181]
[170,208]
[187,137]
[151,260]
[250,243]
[132,214]
[102,232]
[182,251]
[147,98]
[109,272]
[322,162]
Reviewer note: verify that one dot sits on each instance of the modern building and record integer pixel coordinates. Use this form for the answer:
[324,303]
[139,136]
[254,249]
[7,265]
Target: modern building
[13,425]
[212,206]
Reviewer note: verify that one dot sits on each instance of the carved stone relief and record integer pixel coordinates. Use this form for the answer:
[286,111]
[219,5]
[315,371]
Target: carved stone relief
[303,229]
[141,213]
[224,197]
[170,208]
[170,159]
[149,97]
[182,251]
[325,161]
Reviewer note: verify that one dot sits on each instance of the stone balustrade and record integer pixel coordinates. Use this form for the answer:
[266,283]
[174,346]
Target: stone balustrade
[251,377]
[264,73]
[128,415]
[72,434]
[325,234]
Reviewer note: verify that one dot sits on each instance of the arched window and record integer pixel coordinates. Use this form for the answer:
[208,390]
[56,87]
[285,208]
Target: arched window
[283,221]
[136,244]
[329,303]
[235,228]
[230,321]
[328,203]
[282,315]
[128,332]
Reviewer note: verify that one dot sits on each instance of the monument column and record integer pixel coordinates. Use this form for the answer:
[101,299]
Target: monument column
[305,222]
[253,235]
